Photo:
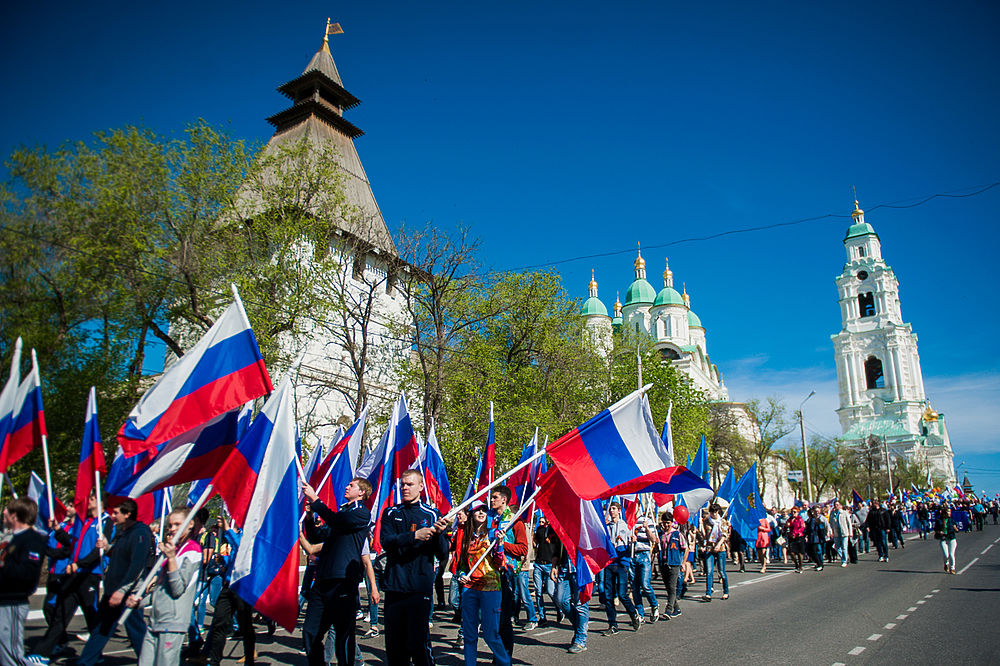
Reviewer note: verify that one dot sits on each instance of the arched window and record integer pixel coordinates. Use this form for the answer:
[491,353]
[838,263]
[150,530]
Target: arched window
[866,304]
[861,250]
[669,354]
[873,373]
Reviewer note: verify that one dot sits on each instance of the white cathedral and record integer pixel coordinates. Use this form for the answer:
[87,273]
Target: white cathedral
[667,318]
[878,370]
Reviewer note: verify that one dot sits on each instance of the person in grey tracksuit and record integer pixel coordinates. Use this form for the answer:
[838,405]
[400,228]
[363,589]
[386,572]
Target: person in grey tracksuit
[172,597]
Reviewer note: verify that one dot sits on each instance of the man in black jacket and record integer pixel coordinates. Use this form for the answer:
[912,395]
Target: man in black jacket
[412,535]
[878,524]
[20,567]
[333,598]
[129,553]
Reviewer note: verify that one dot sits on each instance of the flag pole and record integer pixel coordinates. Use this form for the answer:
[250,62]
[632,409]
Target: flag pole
[45,440]
[494,484]
[163,513]
[100,506]
[173,540]
[513,519]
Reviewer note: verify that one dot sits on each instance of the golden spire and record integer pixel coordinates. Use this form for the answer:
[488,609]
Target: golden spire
[668,275]
[640,266]
[618,304]
[592,287]
[857,209]
[687,299]
[331,29]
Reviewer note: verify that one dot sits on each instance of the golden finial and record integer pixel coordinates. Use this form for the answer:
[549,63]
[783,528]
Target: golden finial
[684,295]
[857,209]
[618,304]
[668,275]
[331,29]
[592,287]
[639,261]
[930,415]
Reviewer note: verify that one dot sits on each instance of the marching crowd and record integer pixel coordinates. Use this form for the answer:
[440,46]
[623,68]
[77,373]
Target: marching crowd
[500,567]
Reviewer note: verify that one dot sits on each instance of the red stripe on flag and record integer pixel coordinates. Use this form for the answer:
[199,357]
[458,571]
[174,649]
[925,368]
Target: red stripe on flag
[280,600]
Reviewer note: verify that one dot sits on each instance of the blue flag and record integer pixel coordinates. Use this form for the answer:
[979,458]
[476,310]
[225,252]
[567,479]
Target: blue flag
[728,487]
[700,462]
[747,507]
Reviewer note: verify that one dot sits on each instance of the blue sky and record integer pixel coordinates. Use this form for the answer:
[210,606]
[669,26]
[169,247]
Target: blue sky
[559,130]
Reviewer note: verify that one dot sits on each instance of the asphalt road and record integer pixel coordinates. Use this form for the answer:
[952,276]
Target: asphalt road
[904,611]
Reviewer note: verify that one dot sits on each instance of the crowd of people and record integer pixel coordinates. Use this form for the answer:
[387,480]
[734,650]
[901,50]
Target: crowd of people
[501,568]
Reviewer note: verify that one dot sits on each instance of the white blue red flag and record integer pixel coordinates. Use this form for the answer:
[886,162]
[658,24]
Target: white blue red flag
[580,526]
[523,482]
[312,463]
[220,373]
[7,398]
[38,491]
[395,453]
[436,486]
[259,484]
[486,472]
[27,419]
[619,452]
[341,462]
[195,490]
[91,456]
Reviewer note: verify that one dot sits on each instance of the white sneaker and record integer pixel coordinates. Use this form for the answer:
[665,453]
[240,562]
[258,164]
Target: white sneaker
[843,564]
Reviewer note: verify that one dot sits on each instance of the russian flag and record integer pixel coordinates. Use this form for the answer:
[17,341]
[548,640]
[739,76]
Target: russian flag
[668,441]
[619,452]
[436,486]
[309,469]
[91,456]
[486,474]
[220,373]
[27,419]
[7,398]
[523,482]
[40,493]
[192,456]
[395,453]
[195,490]
[580,526]
[342,462]
[259,484]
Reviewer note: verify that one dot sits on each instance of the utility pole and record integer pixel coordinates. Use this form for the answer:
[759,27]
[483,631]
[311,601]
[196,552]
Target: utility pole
[805,451]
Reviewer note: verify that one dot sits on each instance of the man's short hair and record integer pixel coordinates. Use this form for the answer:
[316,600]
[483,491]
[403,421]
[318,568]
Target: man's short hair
[615,504]
[412,473]
[129,508]
[24,509]
[504,491]
[201,516]
[366,486]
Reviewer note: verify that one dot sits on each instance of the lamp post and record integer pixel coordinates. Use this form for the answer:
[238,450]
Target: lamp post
[805,451]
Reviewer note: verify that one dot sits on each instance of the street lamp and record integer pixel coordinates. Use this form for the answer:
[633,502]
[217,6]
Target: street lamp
[805,451]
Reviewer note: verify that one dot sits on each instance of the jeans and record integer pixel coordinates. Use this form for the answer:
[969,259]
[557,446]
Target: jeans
[864,539]
[711,562]
[642,585]
[925,528]
[616,584]
[881,544]
[948,548]
[107,622]
[841,547]
[372,606]
[455,593]
[542,577]
[480,608]
[568,601]
[524,596]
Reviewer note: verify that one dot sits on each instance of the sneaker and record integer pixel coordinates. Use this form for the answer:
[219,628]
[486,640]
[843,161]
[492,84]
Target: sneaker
[373,632]
[243,659]
[655,616]
[843,564]
[666,616]
[84,637]
[707,597]
[576,648]
[676,613]
[820,569]
[531,626]
[37,659]
[610,631]
[636,621]
[360,615]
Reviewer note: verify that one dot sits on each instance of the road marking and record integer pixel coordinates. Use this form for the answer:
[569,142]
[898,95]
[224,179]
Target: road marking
[763,578]
[985,549]
[965,568]
[922,601]
[856,651]
[928,596]
[839,663]
[891,625]
[997,540]
[875,637]
[544,633]
[902,617]
[935,591]
[911,609]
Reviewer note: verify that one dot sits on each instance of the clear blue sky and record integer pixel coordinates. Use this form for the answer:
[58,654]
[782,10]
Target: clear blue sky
[563,129]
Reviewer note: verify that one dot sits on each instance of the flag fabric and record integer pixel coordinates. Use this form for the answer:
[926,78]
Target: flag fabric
[223,371]
[163,503]
[521,482]
[618,445]
[342,463]
[27,420]
[580,526]
[630,509]
[435,475]
[195,490]
[913,486]
[8,397]
[668,441]
[728,487]
[191,456]
[747,507]
[486,474]
[959,491]
[395,453]
[856,497]
[38,491]
[700,463]
[315,458]
[259,483]
[91,456]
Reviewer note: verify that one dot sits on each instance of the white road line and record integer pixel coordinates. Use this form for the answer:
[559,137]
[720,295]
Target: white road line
[763,578]
[997,540]
[902,617]
[890,625]
[875,637]
[544,633]
[856,651]
[839,663]
[928,596]
[985,549]
[935,591]
[911,609]
[922,601]
[965,568]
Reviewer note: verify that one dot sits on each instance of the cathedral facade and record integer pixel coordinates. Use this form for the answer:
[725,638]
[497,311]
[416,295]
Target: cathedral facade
[878,369]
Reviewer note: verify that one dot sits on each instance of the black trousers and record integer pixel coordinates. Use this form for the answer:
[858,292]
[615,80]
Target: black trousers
[332,603]
[78,590]
[226,606]
[407,636]
[508,593]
